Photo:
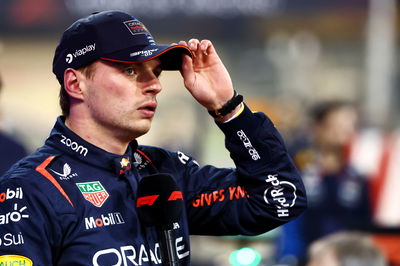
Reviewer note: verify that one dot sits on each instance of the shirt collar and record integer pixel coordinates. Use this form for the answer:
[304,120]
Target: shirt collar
[65,140]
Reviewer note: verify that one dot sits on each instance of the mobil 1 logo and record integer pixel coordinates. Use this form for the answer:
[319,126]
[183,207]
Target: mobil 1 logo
[11,194]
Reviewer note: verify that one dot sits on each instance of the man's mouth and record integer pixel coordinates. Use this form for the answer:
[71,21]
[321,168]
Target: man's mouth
[148,109]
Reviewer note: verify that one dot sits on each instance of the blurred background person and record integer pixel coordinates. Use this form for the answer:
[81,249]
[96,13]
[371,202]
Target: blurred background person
[11,149]
[338,194]
[345,249]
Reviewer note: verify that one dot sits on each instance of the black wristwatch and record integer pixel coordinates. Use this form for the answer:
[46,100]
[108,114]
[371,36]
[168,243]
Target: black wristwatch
[228,107]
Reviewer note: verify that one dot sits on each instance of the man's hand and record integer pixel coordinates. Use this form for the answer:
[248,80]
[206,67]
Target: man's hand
[205,76]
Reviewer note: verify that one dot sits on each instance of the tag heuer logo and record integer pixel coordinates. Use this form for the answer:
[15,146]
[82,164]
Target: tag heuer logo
[93,192]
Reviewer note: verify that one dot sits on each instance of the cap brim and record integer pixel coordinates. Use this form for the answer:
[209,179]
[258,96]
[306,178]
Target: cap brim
[170,55]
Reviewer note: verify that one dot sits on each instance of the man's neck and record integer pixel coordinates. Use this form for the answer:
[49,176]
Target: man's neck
[97,135]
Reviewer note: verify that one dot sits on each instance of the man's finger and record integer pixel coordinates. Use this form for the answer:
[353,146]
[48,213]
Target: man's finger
[194,44]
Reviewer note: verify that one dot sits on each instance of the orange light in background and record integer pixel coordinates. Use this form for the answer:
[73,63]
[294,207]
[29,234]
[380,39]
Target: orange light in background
[28,13]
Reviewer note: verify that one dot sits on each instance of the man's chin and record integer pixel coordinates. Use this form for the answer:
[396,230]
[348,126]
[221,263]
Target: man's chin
[140,131]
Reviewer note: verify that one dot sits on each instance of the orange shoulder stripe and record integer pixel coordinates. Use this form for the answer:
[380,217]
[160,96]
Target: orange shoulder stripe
[42,169]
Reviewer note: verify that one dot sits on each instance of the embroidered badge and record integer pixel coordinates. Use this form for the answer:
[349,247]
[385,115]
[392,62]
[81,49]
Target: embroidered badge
[136,27]
[93,192]
[124,162]
[125,165]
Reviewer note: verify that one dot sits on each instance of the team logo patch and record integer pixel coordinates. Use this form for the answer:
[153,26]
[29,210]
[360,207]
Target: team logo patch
[125,166]
[15,260]
[125,162]
[93,192]
[136,27]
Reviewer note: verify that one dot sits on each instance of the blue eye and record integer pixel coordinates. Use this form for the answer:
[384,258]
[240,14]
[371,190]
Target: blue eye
[130,71]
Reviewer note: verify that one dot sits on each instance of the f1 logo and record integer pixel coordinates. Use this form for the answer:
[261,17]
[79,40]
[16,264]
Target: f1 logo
[175,195]
[149,200]
[146,200]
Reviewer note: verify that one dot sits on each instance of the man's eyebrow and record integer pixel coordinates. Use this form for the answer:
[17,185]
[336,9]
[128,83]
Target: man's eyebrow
[117,64]
[125,65]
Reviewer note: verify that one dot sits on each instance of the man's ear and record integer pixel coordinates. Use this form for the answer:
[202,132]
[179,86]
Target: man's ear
[73,83]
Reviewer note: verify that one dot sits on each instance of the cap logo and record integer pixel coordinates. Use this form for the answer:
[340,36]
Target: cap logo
[88,48]
[135,27]
[69,58]
[144,52]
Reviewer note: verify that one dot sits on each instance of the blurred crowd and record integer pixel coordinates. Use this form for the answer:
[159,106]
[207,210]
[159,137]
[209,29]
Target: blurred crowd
[345,192]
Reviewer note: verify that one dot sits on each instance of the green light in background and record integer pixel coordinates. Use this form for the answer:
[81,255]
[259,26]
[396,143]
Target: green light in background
[245,256]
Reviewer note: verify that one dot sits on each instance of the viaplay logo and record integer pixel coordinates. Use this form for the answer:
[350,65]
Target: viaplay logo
[88,48]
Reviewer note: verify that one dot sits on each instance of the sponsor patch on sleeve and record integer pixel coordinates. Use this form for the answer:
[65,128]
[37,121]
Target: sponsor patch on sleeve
[281,194]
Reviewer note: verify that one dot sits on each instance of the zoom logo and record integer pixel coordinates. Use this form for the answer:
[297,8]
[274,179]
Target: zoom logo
[73,145]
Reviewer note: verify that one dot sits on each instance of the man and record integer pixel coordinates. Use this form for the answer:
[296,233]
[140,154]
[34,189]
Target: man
[73,202]
[338,195]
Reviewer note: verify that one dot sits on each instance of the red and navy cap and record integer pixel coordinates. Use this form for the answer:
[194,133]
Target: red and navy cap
[114,36]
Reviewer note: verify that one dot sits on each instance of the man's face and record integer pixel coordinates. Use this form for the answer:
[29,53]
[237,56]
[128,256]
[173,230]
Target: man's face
[338,127]
[121,98]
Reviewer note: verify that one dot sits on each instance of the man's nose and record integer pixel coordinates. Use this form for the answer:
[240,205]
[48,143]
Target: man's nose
[151,83]
[153,88]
